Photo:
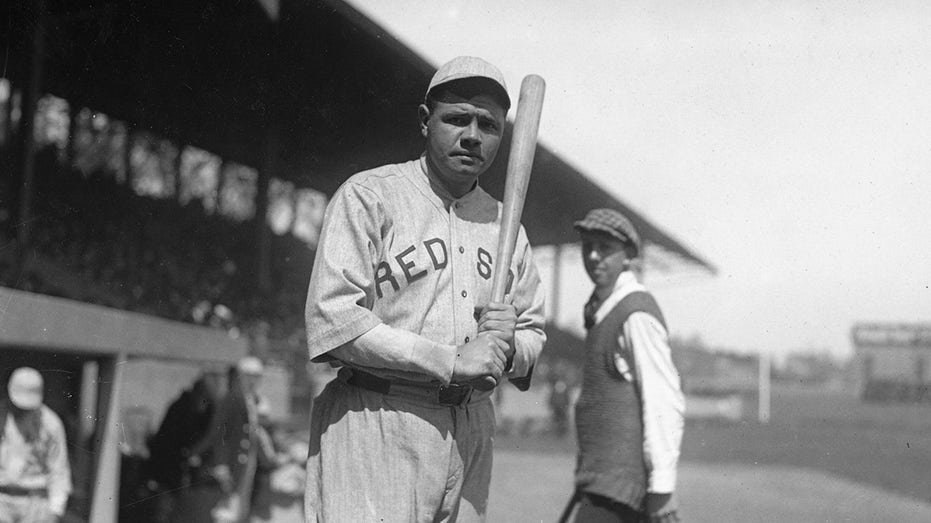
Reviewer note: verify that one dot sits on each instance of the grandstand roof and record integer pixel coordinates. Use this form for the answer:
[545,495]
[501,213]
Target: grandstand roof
[308,91]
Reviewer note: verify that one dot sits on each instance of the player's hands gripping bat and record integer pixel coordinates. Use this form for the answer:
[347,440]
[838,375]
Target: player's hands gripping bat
[520,162]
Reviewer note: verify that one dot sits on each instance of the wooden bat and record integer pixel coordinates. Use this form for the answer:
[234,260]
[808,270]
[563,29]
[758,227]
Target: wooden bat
[520,161]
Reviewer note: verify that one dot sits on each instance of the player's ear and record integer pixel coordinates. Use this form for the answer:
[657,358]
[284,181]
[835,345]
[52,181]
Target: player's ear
[423,112]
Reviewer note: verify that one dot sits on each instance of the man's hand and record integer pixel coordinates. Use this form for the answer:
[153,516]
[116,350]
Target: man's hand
[224,477]
[483,356]
[499,320]
[662,508]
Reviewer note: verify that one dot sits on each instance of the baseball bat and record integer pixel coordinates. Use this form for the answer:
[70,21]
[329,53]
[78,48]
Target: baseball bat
[520,161]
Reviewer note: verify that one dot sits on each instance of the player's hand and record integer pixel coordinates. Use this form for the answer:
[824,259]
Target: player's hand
[223,476]
[662,508]
[499,320]
[483,356]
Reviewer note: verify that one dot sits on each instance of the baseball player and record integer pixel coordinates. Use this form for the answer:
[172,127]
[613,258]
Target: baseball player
[35,476]
[399,299]
[629,415]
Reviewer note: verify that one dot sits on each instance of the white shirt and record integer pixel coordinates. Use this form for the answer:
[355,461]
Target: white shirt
[660,389]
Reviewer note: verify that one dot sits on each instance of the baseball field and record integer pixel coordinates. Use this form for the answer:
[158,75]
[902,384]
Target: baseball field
[824,456]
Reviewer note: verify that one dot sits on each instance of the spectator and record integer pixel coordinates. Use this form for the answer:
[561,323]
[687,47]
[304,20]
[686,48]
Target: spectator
[629,416]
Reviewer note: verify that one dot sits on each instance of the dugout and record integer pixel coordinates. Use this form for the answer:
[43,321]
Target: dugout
[88,356]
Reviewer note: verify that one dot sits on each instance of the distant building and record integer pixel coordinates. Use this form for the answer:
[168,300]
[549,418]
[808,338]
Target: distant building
[894,360]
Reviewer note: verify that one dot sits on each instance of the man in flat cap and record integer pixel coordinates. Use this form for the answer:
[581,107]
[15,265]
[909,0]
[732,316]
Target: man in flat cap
[629,415]
[35,477]
[399,298]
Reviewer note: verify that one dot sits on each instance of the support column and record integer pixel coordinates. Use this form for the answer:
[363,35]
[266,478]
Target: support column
[106,473]
[26,130]
[765,359]
[555,295]
[262,230]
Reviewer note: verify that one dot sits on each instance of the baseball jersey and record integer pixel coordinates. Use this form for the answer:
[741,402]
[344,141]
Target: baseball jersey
[36,464]
[399,254]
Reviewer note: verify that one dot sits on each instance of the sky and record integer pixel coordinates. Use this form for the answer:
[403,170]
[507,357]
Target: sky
[788,143]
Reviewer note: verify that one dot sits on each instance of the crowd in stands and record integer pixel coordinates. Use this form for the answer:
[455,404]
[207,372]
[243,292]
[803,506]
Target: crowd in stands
[94,239]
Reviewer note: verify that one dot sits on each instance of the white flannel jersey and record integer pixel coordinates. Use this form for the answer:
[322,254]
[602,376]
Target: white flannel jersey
[407,265]
[39,464]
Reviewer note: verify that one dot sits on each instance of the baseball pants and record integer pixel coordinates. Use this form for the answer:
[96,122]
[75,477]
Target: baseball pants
[389,458]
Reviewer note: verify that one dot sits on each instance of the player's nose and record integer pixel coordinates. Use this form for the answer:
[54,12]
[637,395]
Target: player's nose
[471,133]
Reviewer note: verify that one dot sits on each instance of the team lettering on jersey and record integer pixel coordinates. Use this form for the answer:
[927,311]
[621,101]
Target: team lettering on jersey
[403,267]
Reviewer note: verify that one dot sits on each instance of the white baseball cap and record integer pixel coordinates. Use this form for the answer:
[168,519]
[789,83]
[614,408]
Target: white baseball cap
[463,67]
[25,388]
[250,365]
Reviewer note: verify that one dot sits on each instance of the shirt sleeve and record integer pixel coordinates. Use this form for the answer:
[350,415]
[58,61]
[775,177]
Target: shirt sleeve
[663,401]
[528,299]
[59,484]
[339,318]
[385,347]
[340,295]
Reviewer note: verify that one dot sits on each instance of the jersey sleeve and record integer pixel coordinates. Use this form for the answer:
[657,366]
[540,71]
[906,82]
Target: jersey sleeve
[59,470]
[340,295]
[527,296]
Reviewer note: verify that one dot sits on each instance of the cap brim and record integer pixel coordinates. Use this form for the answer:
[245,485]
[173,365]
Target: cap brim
[25,400]
[499,91]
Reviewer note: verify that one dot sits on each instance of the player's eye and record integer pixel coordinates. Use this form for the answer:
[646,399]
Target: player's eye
[460,120]
[489,124]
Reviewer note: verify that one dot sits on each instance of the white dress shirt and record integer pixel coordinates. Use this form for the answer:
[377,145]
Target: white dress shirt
[660,389]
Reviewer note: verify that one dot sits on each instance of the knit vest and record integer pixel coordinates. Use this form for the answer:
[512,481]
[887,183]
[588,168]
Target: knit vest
[608,414]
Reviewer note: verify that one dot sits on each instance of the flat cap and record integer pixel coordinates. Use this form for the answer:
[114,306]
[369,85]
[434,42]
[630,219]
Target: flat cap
[611,222]
[463,67]
[25,388]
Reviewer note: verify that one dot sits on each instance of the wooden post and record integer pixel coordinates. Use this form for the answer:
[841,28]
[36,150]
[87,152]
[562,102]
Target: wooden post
[27,131]
[765,360]
[106,473]
[555,300]
[262,230]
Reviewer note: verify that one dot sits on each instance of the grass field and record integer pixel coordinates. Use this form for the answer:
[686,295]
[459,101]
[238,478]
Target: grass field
[825,456]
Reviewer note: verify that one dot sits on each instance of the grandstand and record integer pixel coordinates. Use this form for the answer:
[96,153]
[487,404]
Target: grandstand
[166,166]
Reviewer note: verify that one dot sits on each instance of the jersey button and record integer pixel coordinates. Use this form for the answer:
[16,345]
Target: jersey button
[464,294]
[461,249]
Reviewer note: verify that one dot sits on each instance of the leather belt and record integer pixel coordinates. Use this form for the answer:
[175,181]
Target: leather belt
[14,490]
[452,395]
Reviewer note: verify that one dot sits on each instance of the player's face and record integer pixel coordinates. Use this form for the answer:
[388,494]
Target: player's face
[250,382]
[463,135]
[604,257]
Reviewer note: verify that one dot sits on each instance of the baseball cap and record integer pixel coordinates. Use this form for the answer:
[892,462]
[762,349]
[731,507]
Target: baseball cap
[25,388]
[250,365]
[611,222]
[463,67]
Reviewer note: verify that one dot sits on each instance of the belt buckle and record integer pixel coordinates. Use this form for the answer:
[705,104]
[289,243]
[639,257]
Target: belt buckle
[453,395]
